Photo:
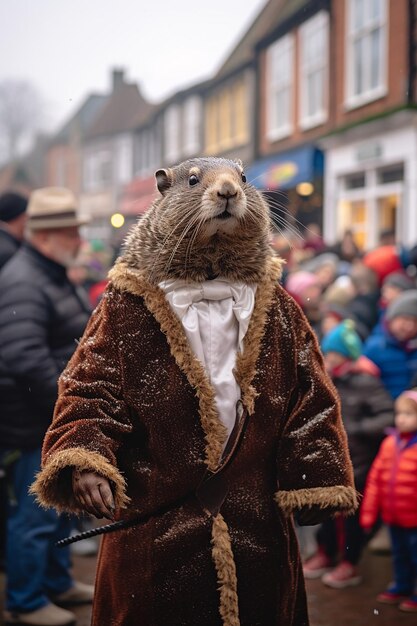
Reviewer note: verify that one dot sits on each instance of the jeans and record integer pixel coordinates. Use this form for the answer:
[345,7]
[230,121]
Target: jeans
[342,535]
[35,568]
[404,556]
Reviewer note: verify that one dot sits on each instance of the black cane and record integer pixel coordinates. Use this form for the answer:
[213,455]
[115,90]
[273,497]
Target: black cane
[100,530]
[122,524]
[211,492]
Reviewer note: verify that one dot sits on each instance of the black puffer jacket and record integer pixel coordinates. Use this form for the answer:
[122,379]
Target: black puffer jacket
[367,410]
[41,317]
[8,246]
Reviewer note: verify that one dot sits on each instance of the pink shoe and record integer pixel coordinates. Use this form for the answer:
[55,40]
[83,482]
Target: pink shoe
[389,597]
[410,605]
[317,565]
[344,575]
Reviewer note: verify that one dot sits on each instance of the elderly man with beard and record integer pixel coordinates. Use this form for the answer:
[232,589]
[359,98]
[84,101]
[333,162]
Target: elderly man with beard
[41,317]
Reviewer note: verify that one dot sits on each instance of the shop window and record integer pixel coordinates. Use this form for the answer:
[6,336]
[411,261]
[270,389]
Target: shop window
[366,54]
[279,81]
[359,223]
[314,70]
[391,174]
[387,213]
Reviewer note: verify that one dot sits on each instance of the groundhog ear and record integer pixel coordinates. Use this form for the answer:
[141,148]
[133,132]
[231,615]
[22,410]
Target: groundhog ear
[239,163]
[163,180]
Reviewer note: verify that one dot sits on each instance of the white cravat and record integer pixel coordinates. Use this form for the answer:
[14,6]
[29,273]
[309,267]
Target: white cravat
[215,315]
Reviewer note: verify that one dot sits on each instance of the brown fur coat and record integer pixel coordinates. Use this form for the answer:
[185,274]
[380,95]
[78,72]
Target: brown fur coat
[136,406]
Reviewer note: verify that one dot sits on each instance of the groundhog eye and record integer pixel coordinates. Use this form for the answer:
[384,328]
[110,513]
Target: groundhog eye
[243,178]
[193,180]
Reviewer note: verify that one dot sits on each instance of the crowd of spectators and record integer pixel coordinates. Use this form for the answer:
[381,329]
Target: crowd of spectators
[363,309]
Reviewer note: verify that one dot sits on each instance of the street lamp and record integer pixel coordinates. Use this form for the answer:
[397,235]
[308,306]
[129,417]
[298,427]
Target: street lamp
[117,220]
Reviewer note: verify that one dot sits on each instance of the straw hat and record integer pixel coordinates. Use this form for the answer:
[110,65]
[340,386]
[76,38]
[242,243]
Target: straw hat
[53,207]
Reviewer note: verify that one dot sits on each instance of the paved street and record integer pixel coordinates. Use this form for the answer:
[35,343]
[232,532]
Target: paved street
[328,607]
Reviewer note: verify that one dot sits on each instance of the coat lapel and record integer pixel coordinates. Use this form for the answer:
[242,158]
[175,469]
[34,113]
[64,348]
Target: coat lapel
[245,370]
[133,281]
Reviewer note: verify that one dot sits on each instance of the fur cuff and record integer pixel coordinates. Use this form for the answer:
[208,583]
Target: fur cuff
[53,485]
[226,572]
[345,499]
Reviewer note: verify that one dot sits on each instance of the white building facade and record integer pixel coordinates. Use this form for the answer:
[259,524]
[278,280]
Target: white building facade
[370,181]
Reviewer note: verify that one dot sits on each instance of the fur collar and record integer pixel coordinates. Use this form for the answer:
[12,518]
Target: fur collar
[125,278]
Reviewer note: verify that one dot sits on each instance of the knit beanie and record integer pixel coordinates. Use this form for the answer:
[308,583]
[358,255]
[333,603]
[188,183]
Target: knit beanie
[334,309]
[384,260]
[343,339]
[11,206]
[298,282]
[400,280]
[340,292]
[405,304]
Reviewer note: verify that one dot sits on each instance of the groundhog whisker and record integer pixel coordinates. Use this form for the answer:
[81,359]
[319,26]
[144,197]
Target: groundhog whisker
[184,233]
[282,226]
[191,242]
[291,227]
[172,256]
[252,180]
[275,220]
[268,193]
[284,210]
[276,223]
[171,233]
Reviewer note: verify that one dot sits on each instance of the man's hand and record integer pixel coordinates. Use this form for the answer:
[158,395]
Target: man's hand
[93,493]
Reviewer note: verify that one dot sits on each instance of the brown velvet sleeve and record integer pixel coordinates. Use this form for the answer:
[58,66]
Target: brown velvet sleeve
[314,466]
[90,418]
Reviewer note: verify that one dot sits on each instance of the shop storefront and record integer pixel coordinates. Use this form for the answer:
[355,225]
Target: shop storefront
[292,182]
[371,183]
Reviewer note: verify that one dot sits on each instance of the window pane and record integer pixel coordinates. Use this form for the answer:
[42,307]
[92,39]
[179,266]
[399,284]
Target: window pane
[314,93]
[319,91]
[280,109]
[283,108]
[280,75]
[310,46]
[310,95]
[320,43]
[375,44]
[358,14]
[358,47]
[284,69]
[355,181]
[392,174]
[375,9]
[387,213]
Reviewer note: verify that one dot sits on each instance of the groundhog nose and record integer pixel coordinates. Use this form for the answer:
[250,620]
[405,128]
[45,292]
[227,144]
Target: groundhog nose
[227,190]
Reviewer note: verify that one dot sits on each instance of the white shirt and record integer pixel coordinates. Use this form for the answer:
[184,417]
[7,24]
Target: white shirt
[215,315]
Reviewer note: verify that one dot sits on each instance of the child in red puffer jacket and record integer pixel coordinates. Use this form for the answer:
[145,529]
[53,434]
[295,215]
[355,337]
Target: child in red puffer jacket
[391,491]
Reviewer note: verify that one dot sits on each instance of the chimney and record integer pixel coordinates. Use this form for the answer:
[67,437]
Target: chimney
[118,76]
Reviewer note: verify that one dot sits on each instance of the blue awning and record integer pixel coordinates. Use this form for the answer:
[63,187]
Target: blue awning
[287,169]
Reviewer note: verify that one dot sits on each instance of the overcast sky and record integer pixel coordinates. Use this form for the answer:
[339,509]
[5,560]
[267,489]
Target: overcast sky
[67,48]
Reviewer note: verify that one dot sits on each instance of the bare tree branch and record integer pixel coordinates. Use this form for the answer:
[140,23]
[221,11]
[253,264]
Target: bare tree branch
[20,115]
